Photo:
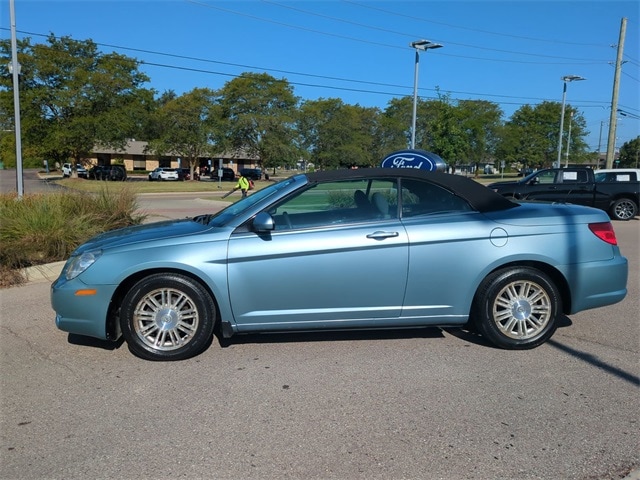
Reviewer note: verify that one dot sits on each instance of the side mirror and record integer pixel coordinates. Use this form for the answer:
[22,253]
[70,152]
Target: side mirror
[263,222]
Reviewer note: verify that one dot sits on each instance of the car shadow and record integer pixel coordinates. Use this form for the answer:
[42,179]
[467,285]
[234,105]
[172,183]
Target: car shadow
[83,341]
[469,334]
[329,336]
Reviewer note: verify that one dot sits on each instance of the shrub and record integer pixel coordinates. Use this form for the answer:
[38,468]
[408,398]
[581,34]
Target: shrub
[42,228]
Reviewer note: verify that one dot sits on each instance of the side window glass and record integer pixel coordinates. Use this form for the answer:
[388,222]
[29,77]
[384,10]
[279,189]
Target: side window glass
[546,177]
[424,198]
[338,202]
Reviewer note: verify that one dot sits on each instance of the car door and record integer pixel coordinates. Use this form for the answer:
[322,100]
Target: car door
[566,185]
[328,264]
[449,244]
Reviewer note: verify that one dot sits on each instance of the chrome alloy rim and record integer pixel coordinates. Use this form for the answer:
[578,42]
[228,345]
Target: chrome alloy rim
[522,310]
[165,319]
[624,210]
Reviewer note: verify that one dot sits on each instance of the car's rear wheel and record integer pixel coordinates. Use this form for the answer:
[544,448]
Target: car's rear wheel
[517,308]
[624,209]
[167,317]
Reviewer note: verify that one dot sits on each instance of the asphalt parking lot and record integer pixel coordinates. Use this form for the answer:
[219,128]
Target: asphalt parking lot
[414,404]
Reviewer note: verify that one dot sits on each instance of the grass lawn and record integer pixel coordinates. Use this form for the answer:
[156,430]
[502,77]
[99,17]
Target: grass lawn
[142,185]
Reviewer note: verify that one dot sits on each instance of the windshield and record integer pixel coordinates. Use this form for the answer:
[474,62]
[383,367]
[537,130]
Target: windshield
[223,216]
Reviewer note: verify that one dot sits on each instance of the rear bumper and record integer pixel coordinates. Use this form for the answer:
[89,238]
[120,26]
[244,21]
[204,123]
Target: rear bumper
[598,284]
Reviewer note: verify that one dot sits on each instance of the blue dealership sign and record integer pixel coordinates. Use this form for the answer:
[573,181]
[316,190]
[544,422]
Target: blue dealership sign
[413,158]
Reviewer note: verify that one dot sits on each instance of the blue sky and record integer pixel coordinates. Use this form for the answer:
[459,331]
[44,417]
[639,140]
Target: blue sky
[508,52]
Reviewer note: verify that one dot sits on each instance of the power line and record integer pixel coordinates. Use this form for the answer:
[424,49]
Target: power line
[413,17]
[405,34]
[521,100]
[579,61]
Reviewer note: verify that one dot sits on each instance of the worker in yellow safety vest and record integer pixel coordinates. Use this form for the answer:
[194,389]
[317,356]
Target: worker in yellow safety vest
[243,185]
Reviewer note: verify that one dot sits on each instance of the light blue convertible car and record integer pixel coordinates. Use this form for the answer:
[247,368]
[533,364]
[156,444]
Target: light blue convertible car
[348,249]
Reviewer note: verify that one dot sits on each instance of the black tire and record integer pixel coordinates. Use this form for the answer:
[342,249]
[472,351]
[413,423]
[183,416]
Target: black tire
[623,209]
[167,317]
[517,308]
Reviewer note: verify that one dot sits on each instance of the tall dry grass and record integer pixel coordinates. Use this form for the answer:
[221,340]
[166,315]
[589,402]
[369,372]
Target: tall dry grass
[43,228]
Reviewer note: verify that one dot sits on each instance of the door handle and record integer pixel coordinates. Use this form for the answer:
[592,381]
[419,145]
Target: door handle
[382,235]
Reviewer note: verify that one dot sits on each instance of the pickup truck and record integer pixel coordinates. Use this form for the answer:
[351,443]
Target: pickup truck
[618,193]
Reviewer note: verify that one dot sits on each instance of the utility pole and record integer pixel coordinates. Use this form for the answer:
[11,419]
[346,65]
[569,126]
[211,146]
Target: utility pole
[15,71]
[611,142]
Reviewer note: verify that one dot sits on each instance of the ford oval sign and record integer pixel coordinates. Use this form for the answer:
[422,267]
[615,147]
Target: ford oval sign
[420,159]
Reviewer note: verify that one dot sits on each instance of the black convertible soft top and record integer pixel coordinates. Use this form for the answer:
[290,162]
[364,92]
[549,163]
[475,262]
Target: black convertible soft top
[481,198]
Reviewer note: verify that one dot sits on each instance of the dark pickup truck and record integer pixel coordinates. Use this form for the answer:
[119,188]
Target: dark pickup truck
[615,191]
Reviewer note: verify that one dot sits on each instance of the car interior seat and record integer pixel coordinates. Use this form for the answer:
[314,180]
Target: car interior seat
[362,202]
[381,204]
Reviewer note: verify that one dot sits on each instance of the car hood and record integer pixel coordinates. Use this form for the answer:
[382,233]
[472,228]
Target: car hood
[151,232]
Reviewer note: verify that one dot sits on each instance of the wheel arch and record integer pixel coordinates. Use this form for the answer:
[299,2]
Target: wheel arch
[113,325]
[553,273]
[622,196]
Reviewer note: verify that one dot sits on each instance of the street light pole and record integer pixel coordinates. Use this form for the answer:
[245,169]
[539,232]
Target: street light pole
[565,79]
[566,163]
[15,71]
[418,45]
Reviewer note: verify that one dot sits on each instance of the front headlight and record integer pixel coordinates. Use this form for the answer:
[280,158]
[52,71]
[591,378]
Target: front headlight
[80,263]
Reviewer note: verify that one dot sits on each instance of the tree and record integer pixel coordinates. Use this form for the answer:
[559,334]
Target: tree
[629,153]
[336,135]
[530,137]
[481,125]
[261,111]
[74,97]
[189,126]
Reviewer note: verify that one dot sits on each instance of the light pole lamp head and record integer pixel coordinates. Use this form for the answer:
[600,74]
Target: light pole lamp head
[424,45]
[572,78]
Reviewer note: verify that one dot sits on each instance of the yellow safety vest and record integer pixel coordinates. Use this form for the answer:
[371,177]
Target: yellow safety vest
[243,184]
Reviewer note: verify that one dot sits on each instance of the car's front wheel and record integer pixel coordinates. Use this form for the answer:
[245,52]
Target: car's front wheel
[624,209]
[517,308]
[167,317]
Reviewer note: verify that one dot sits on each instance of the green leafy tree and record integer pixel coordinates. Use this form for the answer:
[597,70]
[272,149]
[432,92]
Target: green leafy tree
[629,153]
[481,123]
[337,135]
[444,133]
[261,111]
[396,124]
[190,126]
[530,137]
[73,97]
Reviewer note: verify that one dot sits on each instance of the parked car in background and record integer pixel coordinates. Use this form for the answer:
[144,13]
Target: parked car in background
[107,172]
[227,174]
[381,248]
[251,173]
[67,170]
[185,174]
[163,174]
[618,194]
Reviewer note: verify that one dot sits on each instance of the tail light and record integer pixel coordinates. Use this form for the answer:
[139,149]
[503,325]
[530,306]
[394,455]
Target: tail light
[604,231]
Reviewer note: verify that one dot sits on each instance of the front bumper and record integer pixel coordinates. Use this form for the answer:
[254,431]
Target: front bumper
[82,314]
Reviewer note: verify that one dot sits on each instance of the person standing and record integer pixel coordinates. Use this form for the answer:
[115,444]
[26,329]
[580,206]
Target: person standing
[243,185]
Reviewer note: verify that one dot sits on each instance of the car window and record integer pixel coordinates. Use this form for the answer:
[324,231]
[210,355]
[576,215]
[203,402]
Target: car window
[615,177]
[338,202]
[423,198]
[544,177]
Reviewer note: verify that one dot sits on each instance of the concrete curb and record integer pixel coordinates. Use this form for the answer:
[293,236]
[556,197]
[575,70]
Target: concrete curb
[633,475]
[43,273]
